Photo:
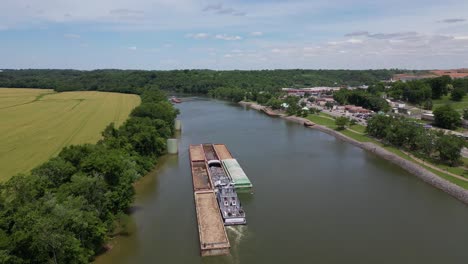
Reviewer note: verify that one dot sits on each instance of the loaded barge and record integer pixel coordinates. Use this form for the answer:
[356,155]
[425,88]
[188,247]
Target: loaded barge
[216,179]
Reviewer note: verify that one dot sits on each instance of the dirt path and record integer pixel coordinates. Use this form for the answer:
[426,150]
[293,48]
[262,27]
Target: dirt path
[434,167]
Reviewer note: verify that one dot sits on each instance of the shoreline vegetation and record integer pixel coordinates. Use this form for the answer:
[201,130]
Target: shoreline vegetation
[68,208]
[445,182]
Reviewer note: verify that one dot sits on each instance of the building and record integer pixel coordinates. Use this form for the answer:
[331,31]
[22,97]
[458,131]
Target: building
[427,116]
[454,74]
[411,77]
[356,109]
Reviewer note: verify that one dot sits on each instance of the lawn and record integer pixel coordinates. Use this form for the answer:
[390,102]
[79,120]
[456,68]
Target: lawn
[324,121]
[459,106]
[321,120]
[36,124]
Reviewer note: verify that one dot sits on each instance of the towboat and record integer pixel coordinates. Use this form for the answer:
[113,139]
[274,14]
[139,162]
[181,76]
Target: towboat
[230,207]
[229,203]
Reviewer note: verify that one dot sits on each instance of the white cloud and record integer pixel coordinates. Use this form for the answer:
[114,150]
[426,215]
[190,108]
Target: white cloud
[72,36]
[221,10]
[460,37]
[256,34]
[355,41]
[132,48]
[198,36]
[227,37]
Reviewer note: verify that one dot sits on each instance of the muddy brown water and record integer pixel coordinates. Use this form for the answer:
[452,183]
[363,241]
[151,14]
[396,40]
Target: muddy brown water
[317,200]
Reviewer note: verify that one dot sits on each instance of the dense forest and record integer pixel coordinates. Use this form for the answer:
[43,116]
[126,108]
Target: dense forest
[65,209]
[186,81]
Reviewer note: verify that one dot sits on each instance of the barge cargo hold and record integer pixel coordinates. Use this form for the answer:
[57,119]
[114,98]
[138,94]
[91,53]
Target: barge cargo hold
[237,175]
[201,180]
[211,231]
[222,152]
[196,153]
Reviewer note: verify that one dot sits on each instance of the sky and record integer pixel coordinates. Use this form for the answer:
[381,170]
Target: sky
[236,34]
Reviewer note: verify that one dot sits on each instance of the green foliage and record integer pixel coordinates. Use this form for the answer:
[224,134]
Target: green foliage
[377,88]
[449,148]
[428,104]
[232,94]
[293,105]
[341,122]
[465,113]
[263,97]
[274,103]
[63,211]
[416,92]
[458,94]
[187,81]
[447,117]
[439,86]
[361,98]
[406,134]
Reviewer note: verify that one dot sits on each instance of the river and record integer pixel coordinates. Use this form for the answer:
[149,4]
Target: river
[316,200]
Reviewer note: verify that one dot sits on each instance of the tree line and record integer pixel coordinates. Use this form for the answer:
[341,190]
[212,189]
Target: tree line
[186,81]
[361,98]
[422,92]
[65,209]
[406,134]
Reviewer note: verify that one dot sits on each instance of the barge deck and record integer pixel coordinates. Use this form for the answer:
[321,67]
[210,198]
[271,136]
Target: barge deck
[211,231]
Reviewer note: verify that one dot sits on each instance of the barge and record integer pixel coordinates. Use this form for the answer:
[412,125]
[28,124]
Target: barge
[237,175]
[211,231]
[176,100]
[216,178]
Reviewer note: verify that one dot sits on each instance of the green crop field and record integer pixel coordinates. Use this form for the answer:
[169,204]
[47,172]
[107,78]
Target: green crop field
[36,124]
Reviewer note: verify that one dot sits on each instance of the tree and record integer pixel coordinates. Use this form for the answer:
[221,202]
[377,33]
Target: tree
[56,171]
[274,103]
[449,148]
[377,126]
[447,117]
[428,104]
[465,113]
[458,94]
[341,122]
[293,106]
[439,86]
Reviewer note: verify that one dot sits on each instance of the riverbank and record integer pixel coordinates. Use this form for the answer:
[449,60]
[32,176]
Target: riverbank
[424,174]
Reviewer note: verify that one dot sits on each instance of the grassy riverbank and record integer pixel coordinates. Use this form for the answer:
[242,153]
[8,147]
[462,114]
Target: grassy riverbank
[357,132]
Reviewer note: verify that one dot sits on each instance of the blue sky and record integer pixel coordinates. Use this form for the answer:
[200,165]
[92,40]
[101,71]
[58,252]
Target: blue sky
[255,34]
